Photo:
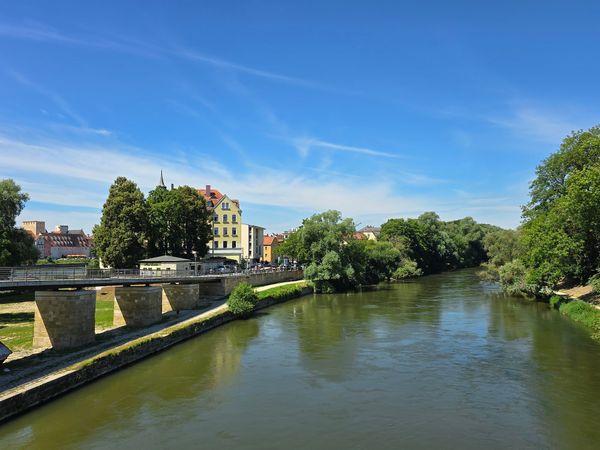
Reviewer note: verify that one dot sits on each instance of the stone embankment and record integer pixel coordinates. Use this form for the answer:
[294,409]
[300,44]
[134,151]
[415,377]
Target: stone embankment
[19,398]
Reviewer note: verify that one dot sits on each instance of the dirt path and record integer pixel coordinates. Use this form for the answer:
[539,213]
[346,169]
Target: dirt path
[270,286]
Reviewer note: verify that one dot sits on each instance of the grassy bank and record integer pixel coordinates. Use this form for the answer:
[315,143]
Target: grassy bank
[16,327]
[579,311]
[283,292]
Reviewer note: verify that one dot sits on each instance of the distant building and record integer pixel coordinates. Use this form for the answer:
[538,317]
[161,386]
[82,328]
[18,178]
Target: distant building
[269,245]
[166,262]
[371,233]
[252,242]
[360,236]
[226,224]
[61,242]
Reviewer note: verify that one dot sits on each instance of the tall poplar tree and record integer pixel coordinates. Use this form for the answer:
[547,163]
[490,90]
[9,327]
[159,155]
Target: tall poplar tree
[121,237]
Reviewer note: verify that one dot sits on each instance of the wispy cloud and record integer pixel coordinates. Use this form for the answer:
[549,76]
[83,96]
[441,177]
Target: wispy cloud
[86,172]
[543,124]
[305,145]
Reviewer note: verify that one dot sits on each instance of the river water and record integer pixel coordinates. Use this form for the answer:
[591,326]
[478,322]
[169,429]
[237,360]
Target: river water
[439,362]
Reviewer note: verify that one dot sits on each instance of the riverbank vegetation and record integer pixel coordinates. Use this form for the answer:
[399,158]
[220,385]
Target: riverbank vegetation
[558,243]
[242,300]
[336,260]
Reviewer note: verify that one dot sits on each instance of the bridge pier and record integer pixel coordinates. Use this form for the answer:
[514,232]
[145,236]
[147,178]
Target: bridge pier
[64,319]
[137,306]
[179,297]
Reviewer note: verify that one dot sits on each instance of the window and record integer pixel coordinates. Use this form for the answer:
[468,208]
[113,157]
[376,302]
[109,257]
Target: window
[225,205]
[225,231]
[234,231]
[224,244]
[224,218]
[215,244]
[234,218]
[216,218]
[233,244]
[217,231]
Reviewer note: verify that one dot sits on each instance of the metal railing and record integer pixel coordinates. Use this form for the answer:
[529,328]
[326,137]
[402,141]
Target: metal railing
[83,273]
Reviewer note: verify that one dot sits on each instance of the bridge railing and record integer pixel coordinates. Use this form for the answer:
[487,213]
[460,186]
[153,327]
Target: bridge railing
[83,273]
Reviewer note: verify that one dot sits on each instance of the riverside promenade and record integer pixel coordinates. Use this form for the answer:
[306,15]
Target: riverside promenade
[39,377]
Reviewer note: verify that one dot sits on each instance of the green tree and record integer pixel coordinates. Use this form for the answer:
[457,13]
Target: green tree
[381,260]
[179,222]
[293,248]
[195,221]
[325,239]
[121,236]
[16,246]
[579,150]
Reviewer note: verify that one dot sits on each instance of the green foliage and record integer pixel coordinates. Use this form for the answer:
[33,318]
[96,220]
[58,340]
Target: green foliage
[178,222]
[242,300]
[514,278]
[502,246]
[282,292]
[326,240]
[584,313]
[380,260]
[121,236]
[17,247]
[293,248]
[435,245]
[407,269]
[595,283]
[556,301]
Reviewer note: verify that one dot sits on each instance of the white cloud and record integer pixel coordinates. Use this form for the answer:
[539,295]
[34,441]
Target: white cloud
[305,145]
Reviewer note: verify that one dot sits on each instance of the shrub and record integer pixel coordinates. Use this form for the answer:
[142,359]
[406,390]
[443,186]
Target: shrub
[407,269]
[514,279]
[556,301]
[242,300]
[595,283]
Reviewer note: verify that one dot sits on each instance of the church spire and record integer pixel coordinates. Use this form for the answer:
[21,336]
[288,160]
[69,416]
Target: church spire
[162,181]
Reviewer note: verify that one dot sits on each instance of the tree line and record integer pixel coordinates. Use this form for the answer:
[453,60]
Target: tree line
[336,260]
[558,242]
[170,221]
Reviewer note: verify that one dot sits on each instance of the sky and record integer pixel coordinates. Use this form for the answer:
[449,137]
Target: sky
[377,109]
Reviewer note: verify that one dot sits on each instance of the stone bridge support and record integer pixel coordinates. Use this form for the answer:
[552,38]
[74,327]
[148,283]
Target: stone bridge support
[179,297]
[64,319]
[137,306]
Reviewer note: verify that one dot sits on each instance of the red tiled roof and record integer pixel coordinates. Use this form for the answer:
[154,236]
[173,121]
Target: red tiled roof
[360,236]
[214,196]
[269,240]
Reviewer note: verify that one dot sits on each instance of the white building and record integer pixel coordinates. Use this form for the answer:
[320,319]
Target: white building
[252,242]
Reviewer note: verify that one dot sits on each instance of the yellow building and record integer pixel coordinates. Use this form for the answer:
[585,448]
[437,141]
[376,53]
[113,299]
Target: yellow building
[269,244]
[226,224]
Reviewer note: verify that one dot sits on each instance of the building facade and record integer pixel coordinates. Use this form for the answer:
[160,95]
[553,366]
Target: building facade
[269,245]
[60,243]
[166,262]
[370,232]
[252,242]
[226,225]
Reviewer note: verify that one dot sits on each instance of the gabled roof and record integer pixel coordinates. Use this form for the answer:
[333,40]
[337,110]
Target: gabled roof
[269,240]
[215,197]
[165,259]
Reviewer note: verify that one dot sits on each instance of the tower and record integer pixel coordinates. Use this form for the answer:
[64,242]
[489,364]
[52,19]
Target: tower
[162,181]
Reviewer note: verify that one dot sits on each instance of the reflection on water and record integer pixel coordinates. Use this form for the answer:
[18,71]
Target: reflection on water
[443,361]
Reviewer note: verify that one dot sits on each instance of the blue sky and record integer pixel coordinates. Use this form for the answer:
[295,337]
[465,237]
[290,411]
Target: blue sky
[379,109]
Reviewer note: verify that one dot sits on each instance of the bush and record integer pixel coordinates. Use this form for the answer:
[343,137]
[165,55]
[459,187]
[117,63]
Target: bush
[514,279]
[556,301]
[242,300]
[407,269]
[595,283]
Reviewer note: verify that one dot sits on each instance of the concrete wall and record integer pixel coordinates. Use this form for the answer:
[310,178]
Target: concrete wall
[227,284]
[64,319]
[137,306]
[180,297]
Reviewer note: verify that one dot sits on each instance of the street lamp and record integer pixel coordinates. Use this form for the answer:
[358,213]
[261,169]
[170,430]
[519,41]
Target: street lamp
[195,253]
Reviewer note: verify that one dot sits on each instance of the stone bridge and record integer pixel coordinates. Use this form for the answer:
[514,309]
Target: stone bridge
[65,318]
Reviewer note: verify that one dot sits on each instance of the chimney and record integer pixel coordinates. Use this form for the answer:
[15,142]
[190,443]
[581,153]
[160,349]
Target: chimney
[208,190]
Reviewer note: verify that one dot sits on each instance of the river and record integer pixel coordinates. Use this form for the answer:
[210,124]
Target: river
[440,362]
